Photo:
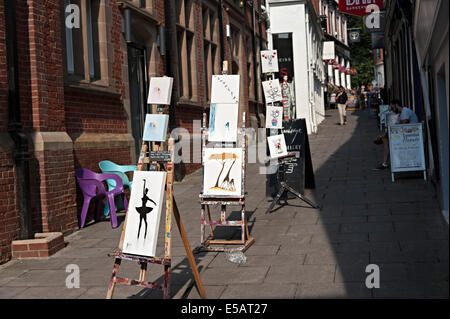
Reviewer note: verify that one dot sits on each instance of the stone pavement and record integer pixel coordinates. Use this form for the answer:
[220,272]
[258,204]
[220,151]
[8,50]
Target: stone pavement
[299,252]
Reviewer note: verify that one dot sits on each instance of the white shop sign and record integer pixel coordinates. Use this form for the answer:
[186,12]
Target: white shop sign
[406,148]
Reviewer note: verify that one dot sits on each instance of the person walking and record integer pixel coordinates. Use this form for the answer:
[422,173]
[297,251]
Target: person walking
[341,99]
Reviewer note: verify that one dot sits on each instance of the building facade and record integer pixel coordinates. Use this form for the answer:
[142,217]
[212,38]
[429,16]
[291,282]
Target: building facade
[296,34]
[81,91]
[417,73]
[335,29]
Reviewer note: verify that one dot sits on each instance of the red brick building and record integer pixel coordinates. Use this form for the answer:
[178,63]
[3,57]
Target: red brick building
[82,90]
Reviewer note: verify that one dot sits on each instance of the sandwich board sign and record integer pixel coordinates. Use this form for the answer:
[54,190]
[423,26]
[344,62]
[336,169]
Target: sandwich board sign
[406,148]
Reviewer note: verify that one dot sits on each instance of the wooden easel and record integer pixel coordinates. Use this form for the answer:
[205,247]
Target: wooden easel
[171,208]
[210,243]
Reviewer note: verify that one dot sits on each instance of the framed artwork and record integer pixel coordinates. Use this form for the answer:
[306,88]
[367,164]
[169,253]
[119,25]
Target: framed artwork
[225,89]
[272,91]
[223,122]
[144,213]
[155,127]
[274,117]
[269,61]
[222,171]
[160,90]
[277,146]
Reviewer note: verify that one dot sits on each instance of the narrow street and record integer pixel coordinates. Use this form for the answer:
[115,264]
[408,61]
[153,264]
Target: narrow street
[299,252]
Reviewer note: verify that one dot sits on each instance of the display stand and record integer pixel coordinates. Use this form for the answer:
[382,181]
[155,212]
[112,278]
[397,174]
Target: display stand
[155,160]
[210,243]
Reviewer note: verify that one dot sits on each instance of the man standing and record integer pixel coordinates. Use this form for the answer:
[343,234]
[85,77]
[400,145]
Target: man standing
[406,115]
[341,99]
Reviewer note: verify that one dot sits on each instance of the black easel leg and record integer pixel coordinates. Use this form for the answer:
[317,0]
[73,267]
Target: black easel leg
[293,191]
[276,199]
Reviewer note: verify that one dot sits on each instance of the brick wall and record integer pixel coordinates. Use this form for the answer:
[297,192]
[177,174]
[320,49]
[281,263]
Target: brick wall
[59,118]
[9,223]
[3,73]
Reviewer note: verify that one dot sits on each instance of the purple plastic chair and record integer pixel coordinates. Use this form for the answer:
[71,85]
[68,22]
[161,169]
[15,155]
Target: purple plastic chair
[92,187]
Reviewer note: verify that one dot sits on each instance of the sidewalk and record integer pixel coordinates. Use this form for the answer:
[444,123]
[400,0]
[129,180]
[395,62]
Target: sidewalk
[299,252]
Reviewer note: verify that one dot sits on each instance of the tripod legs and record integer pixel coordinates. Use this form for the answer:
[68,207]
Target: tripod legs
[286,188]
[276,199]
[303,198]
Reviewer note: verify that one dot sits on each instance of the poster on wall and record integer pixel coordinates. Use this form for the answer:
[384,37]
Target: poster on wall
[269,61]
[155,127]
[272,91]
[274,117]
[222,175]
[160,90]
[144,213]
[406,147]
[223,122]
[225,89]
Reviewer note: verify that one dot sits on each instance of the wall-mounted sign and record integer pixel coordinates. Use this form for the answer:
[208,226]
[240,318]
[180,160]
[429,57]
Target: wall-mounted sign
[329,52]
[377,40]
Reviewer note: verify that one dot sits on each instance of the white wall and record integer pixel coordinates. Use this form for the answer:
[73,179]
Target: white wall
[290,18]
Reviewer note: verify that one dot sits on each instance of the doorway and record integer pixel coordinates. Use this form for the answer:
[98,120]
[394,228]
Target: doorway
[138,85]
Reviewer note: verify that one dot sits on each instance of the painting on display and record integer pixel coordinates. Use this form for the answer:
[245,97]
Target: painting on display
[223,121]
[274,117]
[160,90]
[144,213]
[277,146]
[225,89]
[155,127]
[272,91]
[269,61]
[222,174]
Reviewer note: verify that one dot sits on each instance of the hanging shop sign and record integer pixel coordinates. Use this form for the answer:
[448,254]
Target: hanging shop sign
[360,7]
[354,35]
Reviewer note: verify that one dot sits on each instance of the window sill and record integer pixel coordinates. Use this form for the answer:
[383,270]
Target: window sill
[97,86]
[187,102]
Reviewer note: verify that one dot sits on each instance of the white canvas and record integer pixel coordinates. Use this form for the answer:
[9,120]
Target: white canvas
[277,146]
[222,175]
[155,127]
[272,91]
[225,89]
[269,61]
[223,122]
[160,90]
[274,117]
[146,202]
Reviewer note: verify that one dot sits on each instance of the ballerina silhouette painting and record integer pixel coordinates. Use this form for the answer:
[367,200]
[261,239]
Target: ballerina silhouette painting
[144,210]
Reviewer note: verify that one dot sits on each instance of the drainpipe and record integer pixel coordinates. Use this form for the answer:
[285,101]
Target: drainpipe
[21,154]
[178,170]
[255,58]
[222,42]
